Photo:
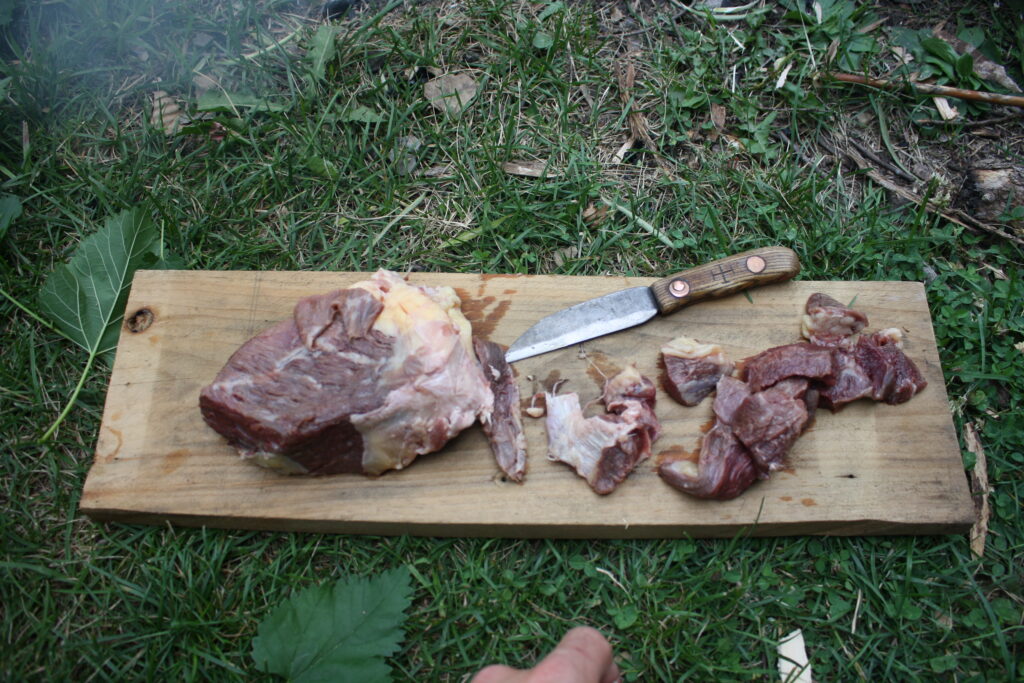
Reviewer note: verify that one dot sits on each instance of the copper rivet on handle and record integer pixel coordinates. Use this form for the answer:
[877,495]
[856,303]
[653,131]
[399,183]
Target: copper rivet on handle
[755,264]
[679,288]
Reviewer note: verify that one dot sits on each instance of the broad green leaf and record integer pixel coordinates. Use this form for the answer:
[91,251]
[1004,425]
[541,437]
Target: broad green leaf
[974,35]
[542,41]
[322,167]
[321,51]
[10,209]
[549,10]
[940,49]
[337,633]
[944,67]
[85,298]
[624,617]
[217,100]
[965,66]
[361,114]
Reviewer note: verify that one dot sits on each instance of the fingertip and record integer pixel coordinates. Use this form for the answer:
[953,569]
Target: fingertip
[589,641]
[497,673]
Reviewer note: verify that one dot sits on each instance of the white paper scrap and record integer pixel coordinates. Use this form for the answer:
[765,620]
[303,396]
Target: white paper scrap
[794,667]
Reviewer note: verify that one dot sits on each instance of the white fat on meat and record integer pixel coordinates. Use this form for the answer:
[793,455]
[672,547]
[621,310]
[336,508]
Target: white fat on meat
[437,388]
[604,449]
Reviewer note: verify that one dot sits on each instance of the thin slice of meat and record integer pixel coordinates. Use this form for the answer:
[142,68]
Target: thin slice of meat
[604,449]
[504,426]
[827,322]
[723,471]
[851,381]
[792,360]
[730,394]
[894,377]
[769,421]
[692,369]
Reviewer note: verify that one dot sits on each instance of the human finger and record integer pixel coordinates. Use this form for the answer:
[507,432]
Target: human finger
[582,656]
[499,673]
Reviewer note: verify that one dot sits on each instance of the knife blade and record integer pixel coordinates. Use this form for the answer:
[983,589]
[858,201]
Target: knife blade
[634,306]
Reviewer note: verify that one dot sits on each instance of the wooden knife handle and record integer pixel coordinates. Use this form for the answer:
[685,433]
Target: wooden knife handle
[725,276]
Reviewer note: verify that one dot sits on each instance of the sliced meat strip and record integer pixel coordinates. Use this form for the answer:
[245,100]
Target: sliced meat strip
[730,394]
[724,469]
[504,426]
[692,369]
[792,360]
[851,381]
[827,322]
[769,421]
[604,449]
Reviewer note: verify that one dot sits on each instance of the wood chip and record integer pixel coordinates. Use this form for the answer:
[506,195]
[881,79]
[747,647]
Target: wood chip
[979,489]
[531,169]
[595,215]
[621,153]
[781,81]
[718,116]
[202,82]
[440,171]
[450,93]
[794,666]
[947,111]
[165,113]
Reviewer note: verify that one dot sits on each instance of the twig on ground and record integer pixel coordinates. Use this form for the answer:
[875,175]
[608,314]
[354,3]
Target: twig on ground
[639,221]
[639,129]
[866,151]
[971,124]
[979,489]
[931,89]
[803,157]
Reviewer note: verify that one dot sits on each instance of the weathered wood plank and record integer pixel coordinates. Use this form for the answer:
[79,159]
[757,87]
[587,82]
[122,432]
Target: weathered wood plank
[871,469]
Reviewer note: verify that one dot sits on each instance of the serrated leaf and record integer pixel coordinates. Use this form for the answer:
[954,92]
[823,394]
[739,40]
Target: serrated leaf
[227,101]
[85,298]
[337,633]
[10,209]
[321,50]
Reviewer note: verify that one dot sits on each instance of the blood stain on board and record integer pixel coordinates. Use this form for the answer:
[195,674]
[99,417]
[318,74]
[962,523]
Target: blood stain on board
[601,368]
[105,453]
[808,502]
[487,277]
[483,312]
[552,381]
[786,499]
[174,460]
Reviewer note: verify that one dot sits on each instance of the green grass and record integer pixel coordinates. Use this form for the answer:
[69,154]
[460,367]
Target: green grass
[305,188]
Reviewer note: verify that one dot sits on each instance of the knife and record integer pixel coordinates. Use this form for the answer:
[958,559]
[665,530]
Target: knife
[636,305]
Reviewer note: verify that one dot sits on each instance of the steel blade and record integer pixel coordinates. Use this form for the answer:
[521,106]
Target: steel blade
[587,320]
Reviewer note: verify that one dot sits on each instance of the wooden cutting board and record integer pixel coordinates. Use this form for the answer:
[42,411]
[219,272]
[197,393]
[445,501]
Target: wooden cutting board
[870,469]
